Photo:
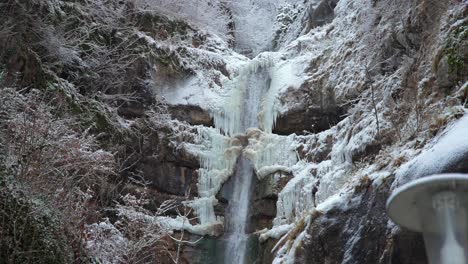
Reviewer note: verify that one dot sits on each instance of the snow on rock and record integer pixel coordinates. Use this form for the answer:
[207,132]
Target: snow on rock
[276,232]
[182,223]
[267,170]
[444,150]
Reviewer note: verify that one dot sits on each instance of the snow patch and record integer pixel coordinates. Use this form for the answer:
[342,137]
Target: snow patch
[445,149]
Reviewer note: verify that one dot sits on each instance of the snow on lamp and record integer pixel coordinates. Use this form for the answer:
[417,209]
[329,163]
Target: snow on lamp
[437,206]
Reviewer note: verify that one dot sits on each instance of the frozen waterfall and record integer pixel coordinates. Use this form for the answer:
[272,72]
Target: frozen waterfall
[254,84]
[237,149]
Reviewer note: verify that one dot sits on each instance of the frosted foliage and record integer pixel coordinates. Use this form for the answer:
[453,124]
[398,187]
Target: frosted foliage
[183,223]
[296,200]
[270,151]
[208,14]
[254,32]
[105,242]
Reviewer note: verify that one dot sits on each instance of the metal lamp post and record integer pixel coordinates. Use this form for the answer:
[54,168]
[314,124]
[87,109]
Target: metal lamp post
[437,206]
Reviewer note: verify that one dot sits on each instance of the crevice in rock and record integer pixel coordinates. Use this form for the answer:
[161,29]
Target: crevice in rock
[309,120]
[322,14]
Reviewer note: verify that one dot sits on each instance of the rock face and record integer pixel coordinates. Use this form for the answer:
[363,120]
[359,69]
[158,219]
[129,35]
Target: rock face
[322,14]
[357,229]
[309,120]
[358,233]
[361,232]
[168,169]
[314,109]
[265,197]
[193,115]
[387,65]
[451,59]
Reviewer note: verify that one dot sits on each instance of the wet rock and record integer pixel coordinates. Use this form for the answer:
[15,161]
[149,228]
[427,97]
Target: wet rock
[301,121]
[191,114]
[265,251]
[166,176]
[263,208]
[263,212]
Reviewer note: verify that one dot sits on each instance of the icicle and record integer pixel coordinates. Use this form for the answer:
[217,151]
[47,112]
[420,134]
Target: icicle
[230,116]
[295,200]
[217,155]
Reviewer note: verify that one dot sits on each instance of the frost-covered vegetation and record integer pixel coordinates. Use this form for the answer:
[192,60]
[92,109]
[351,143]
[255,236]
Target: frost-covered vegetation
[77,109]
[122,122]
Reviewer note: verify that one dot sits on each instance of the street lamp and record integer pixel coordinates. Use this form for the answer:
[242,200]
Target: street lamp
[437,206]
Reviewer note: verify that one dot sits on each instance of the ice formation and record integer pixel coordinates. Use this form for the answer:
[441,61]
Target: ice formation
[218,155]
[296,200]
[244,93]
[270,152]
[276,232]
[283,75]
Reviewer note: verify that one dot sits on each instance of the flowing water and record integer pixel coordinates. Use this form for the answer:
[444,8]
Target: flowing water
[257,82]
[238,214]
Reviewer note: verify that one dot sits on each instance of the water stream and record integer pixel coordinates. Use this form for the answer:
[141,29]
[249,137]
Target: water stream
[236,246]
[256,83]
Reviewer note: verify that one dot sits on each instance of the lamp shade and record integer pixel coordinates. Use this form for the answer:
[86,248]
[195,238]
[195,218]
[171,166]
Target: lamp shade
[437,206]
